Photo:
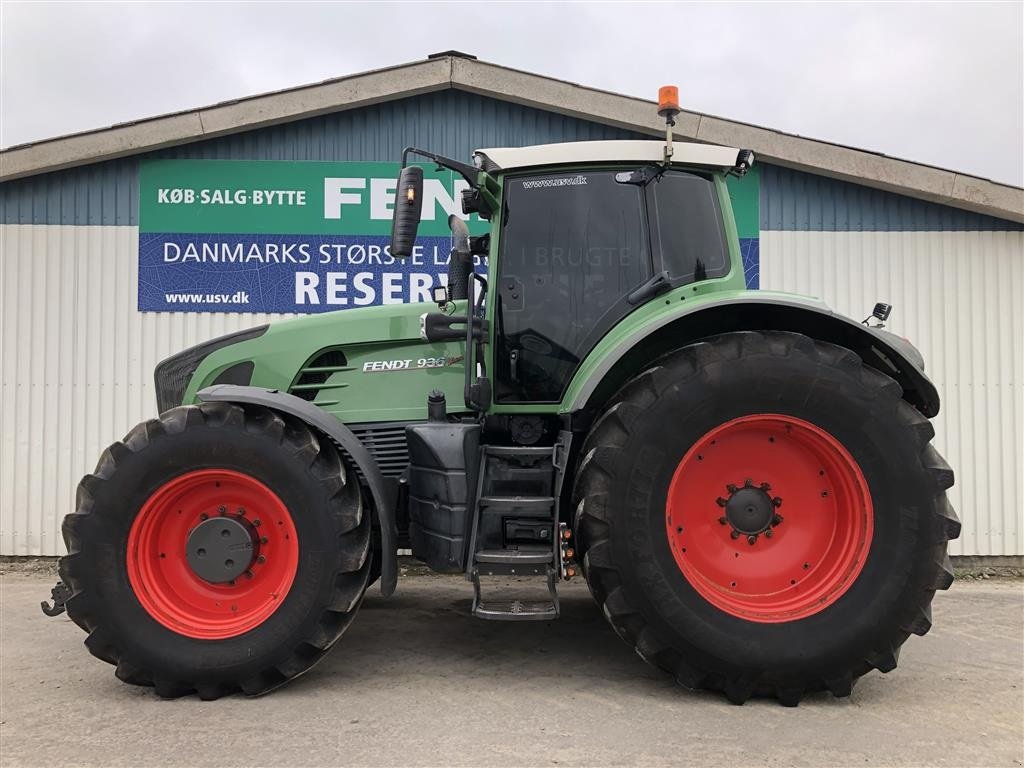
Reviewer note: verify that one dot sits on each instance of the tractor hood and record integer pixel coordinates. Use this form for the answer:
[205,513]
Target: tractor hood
[357,363]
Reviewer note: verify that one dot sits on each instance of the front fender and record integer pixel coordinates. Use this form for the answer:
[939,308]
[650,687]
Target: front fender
[343,437]
[672,324]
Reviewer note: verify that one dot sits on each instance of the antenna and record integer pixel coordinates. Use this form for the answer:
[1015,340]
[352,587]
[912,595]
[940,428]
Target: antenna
[668,107]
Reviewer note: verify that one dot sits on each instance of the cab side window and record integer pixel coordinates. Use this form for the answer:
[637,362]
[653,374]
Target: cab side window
[687,230]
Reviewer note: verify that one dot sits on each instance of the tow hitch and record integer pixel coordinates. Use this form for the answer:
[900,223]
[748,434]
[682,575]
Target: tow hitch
[59,595]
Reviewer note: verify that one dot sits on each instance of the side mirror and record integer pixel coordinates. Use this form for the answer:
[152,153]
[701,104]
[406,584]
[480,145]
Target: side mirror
[408,204]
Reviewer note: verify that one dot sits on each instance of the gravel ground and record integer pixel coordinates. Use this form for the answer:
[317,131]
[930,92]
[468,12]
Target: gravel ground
[416,681]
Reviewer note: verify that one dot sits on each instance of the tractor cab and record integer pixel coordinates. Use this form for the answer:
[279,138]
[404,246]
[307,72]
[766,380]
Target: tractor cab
[587,233]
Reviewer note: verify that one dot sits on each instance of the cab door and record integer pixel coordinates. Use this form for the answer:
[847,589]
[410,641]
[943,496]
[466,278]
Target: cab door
[573,246]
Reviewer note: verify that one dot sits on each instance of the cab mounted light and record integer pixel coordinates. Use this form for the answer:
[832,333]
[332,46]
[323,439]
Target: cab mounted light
[744,162]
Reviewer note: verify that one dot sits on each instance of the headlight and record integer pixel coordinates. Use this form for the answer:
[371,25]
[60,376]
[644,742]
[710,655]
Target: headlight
[173,374]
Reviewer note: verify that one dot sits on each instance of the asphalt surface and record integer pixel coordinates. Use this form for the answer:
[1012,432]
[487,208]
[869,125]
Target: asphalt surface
[416,681]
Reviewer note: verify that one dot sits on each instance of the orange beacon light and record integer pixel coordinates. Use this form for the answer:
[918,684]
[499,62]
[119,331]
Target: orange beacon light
[668,101]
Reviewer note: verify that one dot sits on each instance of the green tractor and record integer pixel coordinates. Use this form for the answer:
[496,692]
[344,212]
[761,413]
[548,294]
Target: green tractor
[744,478]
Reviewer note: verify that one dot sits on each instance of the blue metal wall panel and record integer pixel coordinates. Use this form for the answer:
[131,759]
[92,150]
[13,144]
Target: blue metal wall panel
[796,201]
[455,123]
[450,122]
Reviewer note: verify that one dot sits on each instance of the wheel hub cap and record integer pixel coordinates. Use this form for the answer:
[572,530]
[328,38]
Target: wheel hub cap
[750,510]
[220,549]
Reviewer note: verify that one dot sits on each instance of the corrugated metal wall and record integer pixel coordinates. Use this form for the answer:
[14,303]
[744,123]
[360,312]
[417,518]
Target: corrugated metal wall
[76,358]
[957,296]
[452,123]
[77,361]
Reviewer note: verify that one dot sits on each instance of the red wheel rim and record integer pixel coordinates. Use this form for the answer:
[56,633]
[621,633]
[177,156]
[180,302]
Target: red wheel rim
[815,543]
[168,588]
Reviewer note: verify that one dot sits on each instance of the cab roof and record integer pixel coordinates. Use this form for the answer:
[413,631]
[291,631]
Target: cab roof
[632,151]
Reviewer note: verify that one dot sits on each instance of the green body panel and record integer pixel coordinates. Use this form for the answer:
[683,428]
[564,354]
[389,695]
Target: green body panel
[391,333]
[367,335]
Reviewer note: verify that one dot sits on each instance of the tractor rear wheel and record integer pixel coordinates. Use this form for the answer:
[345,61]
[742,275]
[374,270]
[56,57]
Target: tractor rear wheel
[761,514]
[215,549]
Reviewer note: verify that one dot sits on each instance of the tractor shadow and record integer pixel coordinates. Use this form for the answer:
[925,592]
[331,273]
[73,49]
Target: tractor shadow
[425,630]
[427,625]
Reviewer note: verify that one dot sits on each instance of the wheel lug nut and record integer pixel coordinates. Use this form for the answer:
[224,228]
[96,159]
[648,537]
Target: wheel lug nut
[261,559]
[222,510]
[748,483]
[777,501]
[731,487]
[241,510]
[752,539]
[264,539]
[768,533]
[735,534]
[723,520]
[720,501]
[204,516]
[776,519]
[765,487]
[248,574]
[256,522]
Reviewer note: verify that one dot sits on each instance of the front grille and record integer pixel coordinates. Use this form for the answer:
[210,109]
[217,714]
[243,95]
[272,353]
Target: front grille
[386,443]
[313,376]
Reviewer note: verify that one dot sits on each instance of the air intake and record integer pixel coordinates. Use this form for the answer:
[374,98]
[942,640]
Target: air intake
[314,376]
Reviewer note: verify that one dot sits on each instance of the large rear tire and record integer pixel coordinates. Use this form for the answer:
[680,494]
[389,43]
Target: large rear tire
[761,514]
[295,545]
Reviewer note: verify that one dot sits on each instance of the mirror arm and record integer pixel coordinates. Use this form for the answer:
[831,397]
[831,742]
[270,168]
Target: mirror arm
[466,171]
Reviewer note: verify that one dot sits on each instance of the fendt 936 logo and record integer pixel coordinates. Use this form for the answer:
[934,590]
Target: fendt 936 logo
[417,364]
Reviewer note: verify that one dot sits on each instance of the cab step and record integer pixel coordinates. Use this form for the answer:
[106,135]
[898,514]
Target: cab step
[515,557]
[528,502]
[516,610]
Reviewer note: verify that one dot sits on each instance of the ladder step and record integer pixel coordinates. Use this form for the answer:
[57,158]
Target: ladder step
[516,610]
[544,502]
[514,556]
[518,450]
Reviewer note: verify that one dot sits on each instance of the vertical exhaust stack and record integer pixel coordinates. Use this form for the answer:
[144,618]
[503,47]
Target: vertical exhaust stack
[668,107]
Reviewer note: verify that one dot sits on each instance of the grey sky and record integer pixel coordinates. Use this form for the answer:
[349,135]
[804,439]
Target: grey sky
[936,83]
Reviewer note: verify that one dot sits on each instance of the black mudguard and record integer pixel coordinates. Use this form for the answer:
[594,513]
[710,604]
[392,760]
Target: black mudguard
[342,436]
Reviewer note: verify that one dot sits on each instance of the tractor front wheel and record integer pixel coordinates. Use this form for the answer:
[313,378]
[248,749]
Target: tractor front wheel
[217,548]
[761,514]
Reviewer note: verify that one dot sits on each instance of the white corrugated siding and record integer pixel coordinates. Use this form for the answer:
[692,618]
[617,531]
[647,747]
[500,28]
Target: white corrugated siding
[959,297]
[76,362]
[76,358]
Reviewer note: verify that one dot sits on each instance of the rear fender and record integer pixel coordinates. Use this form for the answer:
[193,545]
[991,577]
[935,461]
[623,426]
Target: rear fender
[342,436]
[685,324]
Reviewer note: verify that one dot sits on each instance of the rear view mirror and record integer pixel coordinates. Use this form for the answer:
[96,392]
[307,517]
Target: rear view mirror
[408,203]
